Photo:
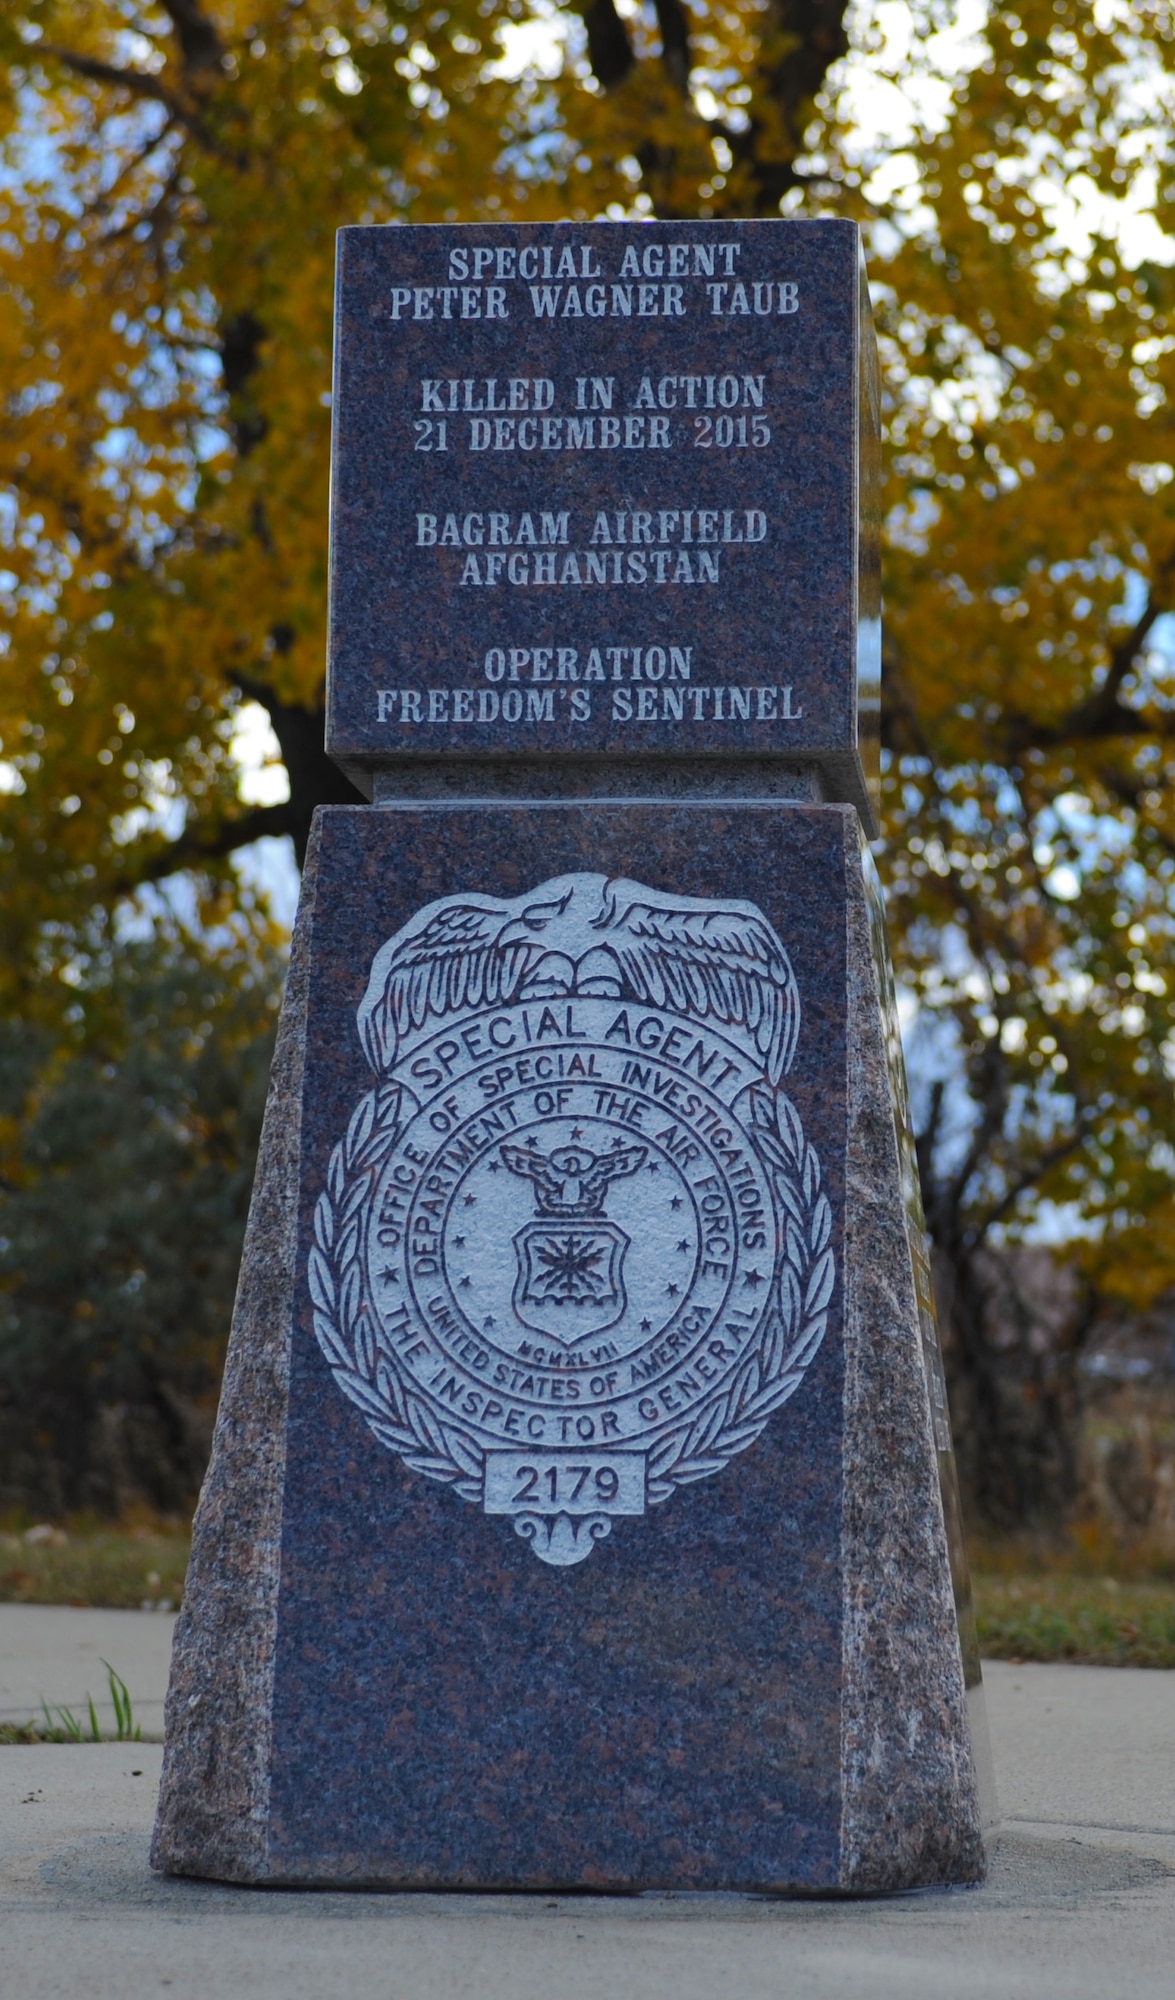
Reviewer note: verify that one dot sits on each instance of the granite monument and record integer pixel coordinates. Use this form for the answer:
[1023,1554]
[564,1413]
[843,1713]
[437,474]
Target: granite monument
[631,465]
[582,1509]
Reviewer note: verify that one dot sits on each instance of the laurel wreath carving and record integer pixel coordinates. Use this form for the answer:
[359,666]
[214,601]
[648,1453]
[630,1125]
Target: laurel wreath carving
[349,1333]
[345,1319]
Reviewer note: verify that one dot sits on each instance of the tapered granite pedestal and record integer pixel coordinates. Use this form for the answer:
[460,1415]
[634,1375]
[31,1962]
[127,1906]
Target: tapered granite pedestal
[582,1511]
[576,1517]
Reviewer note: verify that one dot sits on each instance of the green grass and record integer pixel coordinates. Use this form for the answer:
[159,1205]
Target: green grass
[120,1568]
[1095,1621]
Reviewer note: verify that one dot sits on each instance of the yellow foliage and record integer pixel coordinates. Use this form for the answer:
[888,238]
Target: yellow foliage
[174,176]
[175,179]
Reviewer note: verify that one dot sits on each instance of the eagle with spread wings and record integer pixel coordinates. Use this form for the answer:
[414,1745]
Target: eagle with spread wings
[586,935]
[572,1181]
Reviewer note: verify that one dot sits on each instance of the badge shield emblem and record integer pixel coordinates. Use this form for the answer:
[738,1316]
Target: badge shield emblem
[571,1260]
[570,1277]
[574,1249]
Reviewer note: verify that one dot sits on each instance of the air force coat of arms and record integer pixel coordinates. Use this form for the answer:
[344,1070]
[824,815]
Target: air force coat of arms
[573,1250]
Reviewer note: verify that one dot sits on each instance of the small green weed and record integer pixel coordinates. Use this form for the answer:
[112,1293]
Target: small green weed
[61,1725]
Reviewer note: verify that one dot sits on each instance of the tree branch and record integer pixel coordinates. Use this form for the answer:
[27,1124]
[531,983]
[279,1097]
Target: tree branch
[1028,1178]
[203,844]
[1129,792]
[102,203]
[137,81]
[609,49]
[315,780]
[994,1111]
[197,35]
[1104,714]
[800,40]
[671,19]
[810,36]
[201,64]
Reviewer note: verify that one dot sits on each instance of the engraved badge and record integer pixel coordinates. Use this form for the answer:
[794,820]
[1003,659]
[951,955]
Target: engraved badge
[573,1250]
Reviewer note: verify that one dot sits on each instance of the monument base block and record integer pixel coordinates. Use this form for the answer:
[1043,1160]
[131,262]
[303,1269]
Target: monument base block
[581,1505]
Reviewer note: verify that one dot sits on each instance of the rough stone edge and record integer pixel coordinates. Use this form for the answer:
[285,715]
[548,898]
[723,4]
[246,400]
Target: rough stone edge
[910,1813]
[213,1812]
[948,1474]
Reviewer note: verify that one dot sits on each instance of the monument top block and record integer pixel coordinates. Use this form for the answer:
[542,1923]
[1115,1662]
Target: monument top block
[606,491]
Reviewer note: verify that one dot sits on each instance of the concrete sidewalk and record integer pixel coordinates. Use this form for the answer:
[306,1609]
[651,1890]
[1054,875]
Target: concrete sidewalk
[1080,1904]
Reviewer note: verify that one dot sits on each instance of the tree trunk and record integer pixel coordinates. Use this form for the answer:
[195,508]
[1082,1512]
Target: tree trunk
[1013,1388]
[314,779]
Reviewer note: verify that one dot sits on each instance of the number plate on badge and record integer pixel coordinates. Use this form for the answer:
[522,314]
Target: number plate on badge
[573,1482]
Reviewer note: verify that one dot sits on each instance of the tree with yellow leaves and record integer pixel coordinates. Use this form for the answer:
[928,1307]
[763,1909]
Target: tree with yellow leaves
[174,174]
[1028,321]
[175,177]
[172,178]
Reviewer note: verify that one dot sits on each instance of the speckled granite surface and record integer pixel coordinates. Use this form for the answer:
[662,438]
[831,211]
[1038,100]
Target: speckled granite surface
[910,1804]
[214,1798]
[640,467]
[747,1673]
